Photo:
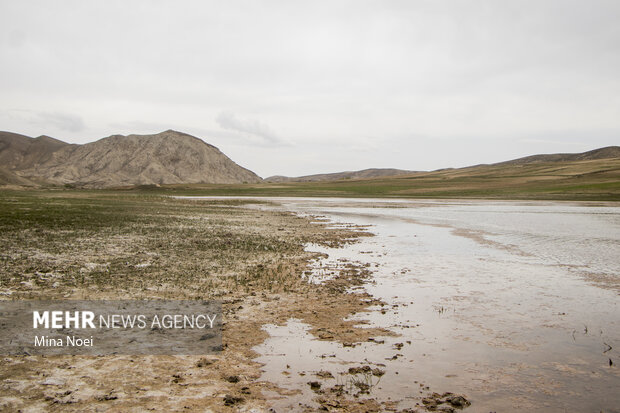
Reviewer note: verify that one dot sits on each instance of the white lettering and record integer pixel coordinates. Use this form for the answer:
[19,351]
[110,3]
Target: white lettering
[87,319]
[57,319]
[211,320]
[38,318]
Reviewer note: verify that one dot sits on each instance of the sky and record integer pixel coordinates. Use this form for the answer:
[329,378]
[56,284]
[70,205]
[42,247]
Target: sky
[288,87]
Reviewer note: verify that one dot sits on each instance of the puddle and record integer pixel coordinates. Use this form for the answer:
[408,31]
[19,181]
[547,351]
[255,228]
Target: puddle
[331,262]
[294,359]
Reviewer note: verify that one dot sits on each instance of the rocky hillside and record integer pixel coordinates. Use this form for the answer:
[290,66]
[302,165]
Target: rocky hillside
[169,157]
[19,152]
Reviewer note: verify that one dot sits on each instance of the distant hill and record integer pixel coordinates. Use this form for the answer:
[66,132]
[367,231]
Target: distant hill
[19,152]
[607,152]
[591,176]
[363,174]
[169,157]
[175,158]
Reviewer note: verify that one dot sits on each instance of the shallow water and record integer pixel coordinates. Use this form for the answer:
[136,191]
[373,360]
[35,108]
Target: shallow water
[514,304]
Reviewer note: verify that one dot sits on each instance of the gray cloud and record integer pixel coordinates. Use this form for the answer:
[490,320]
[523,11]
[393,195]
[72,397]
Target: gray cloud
[56,121]
[62,121]
[252,127]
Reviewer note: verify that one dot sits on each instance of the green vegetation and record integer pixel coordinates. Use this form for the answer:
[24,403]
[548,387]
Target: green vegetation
[103,243]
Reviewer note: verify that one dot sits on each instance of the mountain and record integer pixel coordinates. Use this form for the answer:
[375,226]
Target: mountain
[363,174]
[19,152]
[173,157]
[168,157]
[10,178]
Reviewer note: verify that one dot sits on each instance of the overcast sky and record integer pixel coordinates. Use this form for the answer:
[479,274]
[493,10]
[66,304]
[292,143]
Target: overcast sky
[299,87]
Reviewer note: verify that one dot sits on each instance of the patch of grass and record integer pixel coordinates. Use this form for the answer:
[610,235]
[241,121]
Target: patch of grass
[55,243]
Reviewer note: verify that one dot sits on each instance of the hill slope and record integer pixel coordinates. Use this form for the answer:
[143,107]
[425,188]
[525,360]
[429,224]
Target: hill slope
[607,152]
[19,152]
[169,157]
[596,178]
[363,174]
